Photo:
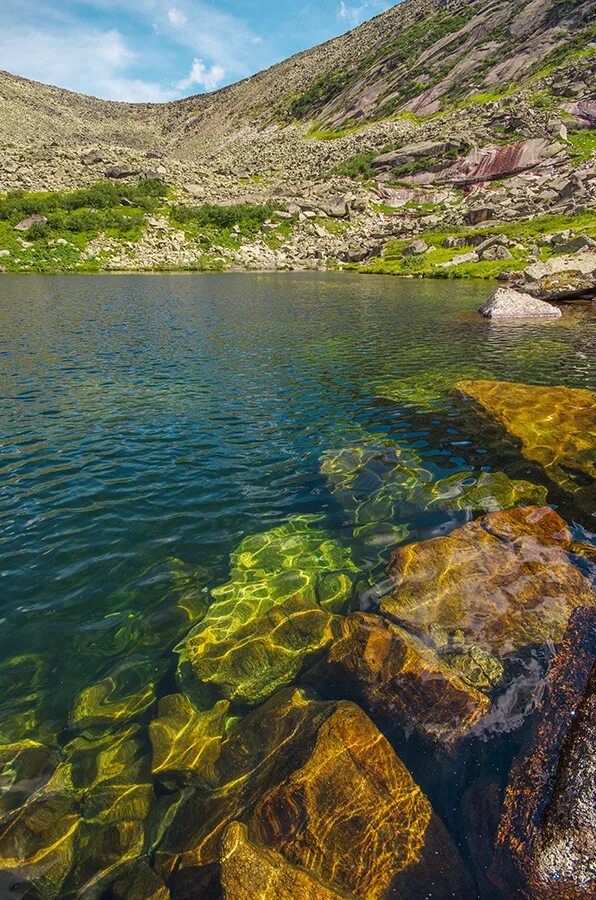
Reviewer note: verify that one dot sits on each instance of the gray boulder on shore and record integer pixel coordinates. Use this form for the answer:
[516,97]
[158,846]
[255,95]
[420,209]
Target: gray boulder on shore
[506,303]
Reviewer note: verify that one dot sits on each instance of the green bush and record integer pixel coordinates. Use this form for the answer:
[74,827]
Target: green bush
[249,216]
[146,195]
[356,166]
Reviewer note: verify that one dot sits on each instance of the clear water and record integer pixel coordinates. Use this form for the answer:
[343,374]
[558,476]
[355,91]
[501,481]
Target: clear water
[147,419]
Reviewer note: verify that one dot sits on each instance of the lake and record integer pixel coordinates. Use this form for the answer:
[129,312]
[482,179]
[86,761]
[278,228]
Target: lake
[149,425]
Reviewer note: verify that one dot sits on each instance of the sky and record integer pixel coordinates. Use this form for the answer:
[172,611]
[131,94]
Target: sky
[159,50]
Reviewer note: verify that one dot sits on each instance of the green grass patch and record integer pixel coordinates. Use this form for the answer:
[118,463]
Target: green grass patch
[526,233]
[583,144]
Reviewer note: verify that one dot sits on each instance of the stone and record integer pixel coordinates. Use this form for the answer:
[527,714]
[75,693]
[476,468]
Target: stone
[352,790]
[546,845]
[584,263]
[554,424]
[392,674]
[312,780]
[480,214]
[186,743]
[29,222]
[507,303]
[501,582]
[25,767]
[489,163]
[266,623]
[140,883]
[249,870]
[4,253]
[460,259]
[495,253]
[575,244]
[120,172]
[38,843]
[416,248]
[91,159]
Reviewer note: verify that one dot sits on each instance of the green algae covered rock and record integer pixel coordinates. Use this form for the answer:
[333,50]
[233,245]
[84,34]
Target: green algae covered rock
[273,615]
[187,743]
[484,492]
[124,695]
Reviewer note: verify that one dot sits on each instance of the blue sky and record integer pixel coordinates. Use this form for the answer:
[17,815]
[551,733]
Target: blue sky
[157,50]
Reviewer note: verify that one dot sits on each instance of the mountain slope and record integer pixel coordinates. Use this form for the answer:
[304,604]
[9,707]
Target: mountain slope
[431,92]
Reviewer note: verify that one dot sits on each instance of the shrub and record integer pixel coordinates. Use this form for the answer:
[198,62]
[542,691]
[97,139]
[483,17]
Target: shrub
[249,216]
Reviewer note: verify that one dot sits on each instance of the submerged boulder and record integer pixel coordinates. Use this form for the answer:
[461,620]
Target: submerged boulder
[507,303]
[249,870]
[274,615]
[393,674]
[186,743]
[122,696]
[312,781]
[554,424]
[479,492]
[499,583]
[546,845]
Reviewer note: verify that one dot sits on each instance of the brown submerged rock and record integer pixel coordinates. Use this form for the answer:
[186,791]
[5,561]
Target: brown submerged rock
[556,425]
[319,784]
[546,843]
[501,582]
[393,674]
[249,870]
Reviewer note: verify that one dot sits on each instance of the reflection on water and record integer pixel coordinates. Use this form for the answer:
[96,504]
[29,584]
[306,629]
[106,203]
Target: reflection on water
[202,483]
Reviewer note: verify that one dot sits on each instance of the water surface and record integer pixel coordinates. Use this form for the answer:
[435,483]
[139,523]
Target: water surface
[149,423]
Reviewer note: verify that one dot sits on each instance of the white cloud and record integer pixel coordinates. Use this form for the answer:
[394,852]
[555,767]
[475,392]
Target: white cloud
[89,61]
[207,78]
[176,18]
[354,14]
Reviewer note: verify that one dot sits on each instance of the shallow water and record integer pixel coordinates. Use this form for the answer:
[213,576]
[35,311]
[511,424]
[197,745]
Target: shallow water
[150,423]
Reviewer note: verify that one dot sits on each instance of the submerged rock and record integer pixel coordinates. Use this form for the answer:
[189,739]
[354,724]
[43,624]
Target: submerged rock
[499,583]
[426,390]
[507,303]
[554,424]
[186,743]
[545,844]
[484,492]
[274,614]
[393,674]
[122,696]
[311,781]
[249,870]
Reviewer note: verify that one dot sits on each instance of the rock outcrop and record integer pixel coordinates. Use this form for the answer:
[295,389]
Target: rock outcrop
[545,844]
[507,303]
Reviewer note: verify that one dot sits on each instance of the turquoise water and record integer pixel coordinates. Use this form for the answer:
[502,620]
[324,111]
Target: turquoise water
[150,423]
